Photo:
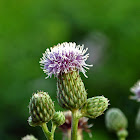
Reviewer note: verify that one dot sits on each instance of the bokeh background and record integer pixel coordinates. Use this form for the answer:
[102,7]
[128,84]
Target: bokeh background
[111,31]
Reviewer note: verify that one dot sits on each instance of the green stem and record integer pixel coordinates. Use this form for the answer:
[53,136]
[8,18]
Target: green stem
[74,128]
[80,134]
[47,133]
[121,138]
[53,129]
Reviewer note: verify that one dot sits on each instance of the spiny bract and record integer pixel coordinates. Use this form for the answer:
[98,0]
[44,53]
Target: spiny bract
[71,93]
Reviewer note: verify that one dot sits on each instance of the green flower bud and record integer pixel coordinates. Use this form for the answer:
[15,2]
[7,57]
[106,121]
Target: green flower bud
[94,107]
[122,133]
[71,92]
[138,120]
[115,120]
[58,118]
[41,109]
[29,137]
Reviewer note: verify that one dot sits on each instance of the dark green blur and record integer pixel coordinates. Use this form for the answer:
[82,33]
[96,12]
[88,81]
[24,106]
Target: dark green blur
[111,29]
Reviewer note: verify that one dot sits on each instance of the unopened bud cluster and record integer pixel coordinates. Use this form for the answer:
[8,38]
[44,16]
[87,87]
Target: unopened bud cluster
[65,61]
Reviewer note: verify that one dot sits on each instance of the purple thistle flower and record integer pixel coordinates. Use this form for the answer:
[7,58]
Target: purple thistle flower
[64,58]
[136,90]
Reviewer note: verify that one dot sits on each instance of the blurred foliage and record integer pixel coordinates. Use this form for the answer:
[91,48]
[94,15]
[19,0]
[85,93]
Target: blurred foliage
[28,27]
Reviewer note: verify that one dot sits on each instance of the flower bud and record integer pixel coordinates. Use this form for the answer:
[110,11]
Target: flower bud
[71,92]
[29,137]
[138,120]
[115,120]
[41,109]
[58,118]
[122,133]
[94,107]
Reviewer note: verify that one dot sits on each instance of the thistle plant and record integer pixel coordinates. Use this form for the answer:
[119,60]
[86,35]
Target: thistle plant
[65,61]
[116,121]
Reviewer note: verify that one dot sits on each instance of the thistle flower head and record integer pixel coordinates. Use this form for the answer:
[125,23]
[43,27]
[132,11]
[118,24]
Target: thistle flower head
[136,90]
[64,58]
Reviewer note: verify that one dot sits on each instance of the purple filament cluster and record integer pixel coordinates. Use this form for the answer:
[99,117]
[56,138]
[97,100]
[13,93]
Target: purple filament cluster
[136,90]
[64,58]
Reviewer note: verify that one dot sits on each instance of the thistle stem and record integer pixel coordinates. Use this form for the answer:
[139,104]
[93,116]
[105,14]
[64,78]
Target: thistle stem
[79,134]
[121,138]
[47,133]
[67,135]
[74,128]
[53,129]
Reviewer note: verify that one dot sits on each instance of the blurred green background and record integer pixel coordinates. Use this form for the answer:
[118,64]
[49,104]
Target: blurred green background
[111,31]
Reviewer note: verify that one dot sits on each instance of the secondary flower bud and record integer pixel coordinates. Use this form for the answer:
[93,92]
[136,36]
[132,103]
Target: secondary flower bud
[94,106]
[115,120]
[29,137]
[41,109]
[71,93]
[58,118]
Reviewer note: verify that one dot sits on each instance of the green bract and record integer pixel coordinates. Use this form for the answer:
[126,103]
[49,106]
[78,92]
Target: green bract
[94,107]
[41,109]
[71,92]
